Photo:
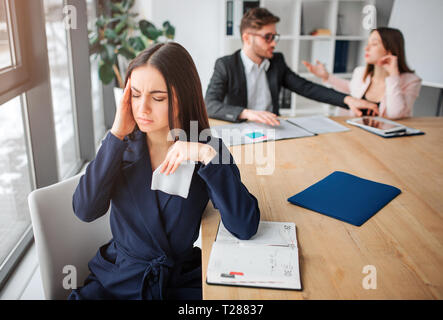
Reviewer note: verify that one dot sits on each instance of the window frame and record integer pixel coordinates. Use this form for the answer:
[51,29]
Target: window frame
[12,76]
[31,81]
[36,108]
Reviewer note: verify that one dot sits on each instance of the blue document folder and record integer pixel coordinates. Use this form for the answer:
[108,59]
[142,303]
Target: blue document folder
[346,197]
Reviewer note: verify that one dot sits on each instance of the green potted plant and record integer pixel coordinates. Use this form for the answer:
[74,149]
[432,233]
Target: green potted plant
[118,38]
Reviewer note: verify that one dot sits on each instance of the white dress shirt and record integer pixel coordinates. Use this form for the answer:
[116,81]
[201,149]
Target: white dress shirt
[259,95]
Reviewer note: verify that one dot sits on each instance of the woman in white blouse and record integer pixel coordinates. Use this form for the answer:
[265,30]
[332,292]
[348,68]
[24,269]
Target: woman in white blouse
[386,79]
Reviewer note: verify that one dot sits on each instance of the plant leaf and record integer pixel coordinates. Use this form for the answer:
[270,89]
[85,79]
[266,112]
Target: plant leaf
[144,25]
[93,39]
[105,72]
[120,26]
[107,53]
[116,7]
[126,52]
[110,34]
[122,37]
[114,19]
[101,21]
[137,43]
[170,32]
[145,41]
[153,33]
[128,4]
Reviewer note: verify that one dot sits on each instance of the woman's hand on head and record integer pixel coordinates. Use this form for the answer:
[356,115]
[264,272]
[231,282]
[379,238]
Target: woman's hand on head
[124,122]
[182,151]
[318,69]
[389,62]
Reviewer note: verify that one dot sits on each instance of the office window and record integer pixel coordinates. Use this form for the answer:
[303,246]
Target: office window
[15,179]
[61,90]
[48,112]
[13,68]
[97,101]
[97,104]
[5,46]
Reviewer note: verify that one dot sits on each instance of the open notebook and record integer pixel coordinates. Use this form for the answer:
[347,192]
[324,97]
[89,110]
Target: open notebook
[268,260]
[250,132]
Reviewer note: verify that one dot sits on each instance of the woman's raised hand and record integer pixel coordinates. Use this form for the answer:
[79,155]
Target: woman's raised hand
[124,122]
[182,151]
[390,64]
[318,69]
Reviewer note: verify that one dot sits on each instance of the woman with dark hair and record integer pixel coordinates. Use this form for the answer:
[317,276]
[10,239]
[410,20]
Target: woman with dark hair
[386,79]
[151,254]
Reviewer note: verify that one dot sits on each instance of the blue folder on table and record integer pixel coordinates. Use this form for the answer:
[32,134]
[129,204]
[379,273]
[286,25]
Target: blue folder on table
[346,197]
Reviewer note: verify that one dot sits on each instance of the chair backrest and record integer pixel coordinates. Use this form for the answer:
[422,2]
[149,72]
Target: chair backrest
[64,243]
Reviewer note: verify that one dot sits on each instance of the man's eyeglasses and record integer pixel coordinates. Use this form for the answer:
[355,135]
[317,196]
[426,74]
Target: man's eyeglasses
[269,37]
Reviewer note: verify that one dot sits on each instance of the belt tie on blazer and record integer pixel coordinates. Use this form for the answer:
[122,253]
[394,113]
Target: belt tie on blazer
[155,278]
[157,273]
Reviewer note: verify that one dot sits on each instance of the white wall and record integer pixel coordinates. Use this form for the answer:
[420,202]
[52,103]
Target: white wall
[197,28]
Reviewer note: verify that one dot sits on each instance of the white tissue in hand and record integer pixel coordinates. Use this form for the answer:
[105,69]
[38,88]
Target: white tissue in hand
[177,183]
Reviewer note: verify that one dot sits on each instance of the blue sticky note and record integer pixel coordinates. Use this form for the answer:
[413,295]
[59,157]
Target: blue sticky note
[254,135]
[346,197]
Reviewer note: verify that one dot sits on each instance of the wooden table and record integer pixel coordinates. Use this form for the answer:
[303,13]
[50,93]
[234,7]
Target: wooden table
[403,241]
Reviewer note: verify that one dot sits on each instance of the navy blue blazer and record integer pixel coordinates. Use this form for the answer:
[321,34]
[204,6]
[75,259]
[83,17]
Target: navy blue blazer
[151,254]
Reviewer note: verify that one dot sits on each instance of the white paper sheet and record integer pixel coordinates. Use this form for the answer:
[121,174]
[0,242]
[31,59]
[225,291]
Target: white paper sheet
[177,183]
[318,124]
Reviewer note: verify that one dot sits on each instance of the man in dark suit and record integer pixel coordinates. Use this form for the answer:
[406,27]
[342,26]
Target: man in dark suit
[246,84]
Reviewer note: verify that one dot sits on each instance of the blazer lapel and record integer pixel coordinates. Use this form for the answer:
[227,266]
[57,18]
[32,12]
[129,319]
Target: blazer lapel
[138,174]
[163,199]
[273,87]
[241,76]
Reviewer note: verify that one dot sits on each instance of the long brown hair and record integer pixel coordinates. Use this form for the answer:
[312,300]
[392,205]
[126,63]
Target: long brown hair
[182,80]
[393,42]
